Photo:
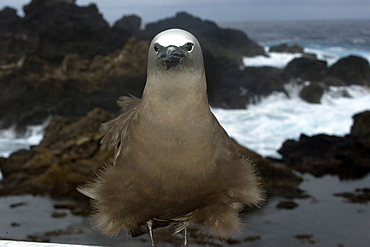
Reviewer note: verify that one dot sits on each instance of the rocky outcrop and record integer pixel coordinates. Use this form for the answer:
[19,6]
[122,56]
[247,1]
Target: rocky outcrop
[129,23]
[72,88]
[306,69]
[239,87]
[49,58]
[63,11]
[62,27]
[359,196]
[352,70]
[8,16]
[312,93]
[286,48]
[361,127]
[277,179]
[347,157]
[68,155]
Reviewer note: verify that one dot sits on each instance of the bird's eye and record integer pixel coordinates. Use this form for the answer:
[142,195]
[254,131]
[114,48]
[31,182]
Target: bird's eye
[156,48]
[189,46]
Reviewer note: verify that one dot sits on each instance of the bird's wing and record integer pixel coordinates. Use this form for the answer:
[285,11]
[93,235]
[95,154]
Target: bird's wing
[116,129]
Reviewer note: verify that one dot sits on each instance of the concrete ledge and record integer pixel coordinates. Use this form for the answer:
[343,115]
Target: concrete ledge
[35,244]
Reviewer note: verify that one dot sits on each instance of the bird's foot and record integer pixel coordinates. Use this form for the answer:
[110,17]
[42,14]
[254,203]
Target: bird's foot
[185,241]
[149,227]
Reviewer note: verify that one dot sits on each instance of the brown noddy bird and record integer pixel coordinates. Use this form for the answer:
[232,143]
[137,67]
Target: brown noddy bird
[174,164]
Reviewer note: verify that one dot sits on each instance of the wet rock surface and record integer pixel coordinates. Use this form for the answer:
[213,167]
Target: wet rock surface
[287,205]
[286,48]
[277,179]
[358,196]
[307,69]
[352,70]
[306,238]
[348,156]
[312,93]
[68,155]
[238,88]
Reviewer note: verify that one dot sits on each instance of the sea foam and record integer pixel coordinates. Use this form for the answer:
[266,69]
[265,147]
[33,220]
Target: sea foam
[263,127]
[329,53]
[274,59]
[11,140]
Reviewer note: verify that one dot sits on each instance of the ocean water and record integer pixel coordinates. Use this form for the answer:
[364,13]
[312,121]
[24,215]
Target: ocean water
[263,127]
[329,39]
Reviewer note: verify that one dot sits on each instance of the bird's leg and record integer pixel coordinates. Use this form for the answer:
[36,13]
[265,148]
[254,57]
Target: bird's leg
[149,227]
[185,241]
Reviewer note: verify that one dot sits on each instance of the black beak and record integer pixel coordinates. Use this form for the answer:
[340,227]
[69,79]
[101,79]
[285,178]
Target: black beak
[172,56]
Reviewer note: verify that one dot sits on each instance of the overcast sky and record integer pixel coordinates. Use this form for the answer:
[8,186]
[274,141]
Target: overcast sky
[227,10]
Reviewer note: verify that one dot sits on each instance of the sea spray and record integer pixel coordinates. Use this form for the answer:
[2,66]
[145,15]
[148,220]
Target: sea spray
[11,140]
[263,127]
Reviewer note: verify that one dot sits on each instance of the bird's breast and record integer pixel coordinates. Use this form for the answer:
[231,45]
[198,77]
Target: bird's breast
[173,145]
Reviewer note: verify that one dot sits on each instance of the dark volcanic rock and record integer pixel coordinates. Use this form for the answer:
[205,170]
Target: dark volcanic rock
[63,59]
[287,49]
[239,87]
[312,93]
[352,70]
[64,27]
[347,157]
[278,180]
[14,41]
[307,69]
[284,48]
[347,71]
[69,153]
[129,23]
[361,125]
[64,11]
[8,16]
[360,130]
[74,87]
[287,205]
[333,81]
[359,196]
[51,29]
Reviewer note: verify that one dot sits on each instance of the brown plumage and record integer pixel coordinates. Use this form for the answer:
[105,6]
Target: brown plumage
[174,163]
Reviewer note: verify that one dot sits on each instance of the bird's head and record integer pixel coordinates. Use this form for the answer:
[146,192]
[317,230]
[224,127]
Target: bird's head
[175,50]
[175,68]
